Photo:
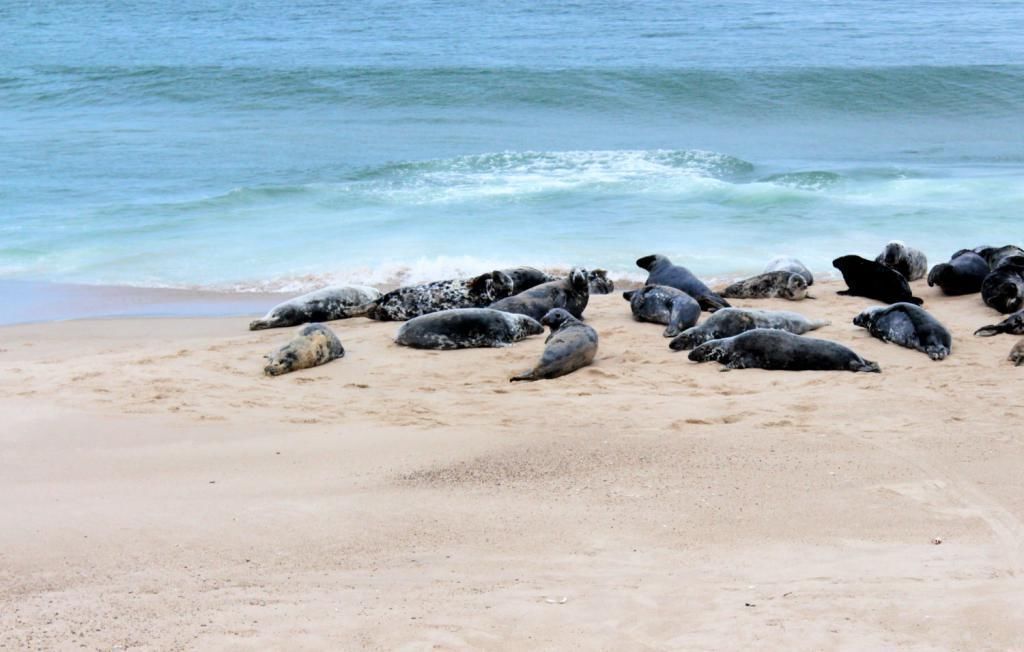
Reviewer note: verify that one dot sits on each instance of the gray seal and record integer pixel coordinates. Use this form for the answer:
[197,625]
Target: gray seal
[313,346]
[770,285]
[1003,288]
[524,278]
[792,265]
[995,256]
[661,271]
[907,325]
[910,262]
[326,304]
[415,300]
[599,282]
[963,274]
[570,346]
[866,278]
[733,321]
[660,304]
[1017,354]
[764,348]
[1014,325]
[572,294]
[464,328]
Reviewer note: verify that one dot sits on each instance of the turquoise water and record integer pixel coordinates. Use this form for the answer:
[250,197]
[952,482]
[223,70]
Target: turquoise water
[281,145]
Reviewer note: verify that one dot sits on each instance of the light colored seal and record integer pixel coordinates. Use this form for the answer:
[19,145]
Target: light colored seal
[313,346]
[867,278]
[764,348]
[963,274]
[770,285]
[660,304]
[572,294]
[1017,354]
[1014,325]
[907,325]
[326,304]
[791,265]
[570,346]
[415,300]
[464,328]
[661,271]
[733,321]
[910,262]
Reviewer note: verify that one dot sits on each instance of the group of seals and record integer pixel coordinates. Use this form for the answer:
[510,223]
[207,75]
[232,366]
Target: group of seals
[661,271]
[907,325]
[660,304]
[733,321]
[314,345]
[462,328]
[571,293]
[570,346]
[764,348]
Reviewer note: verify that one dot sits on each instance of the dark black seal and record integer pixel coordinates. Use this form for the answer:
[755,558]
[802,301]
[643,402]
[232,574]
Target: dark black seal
[1003,288]
[661,271]
[867,278]
[963,274]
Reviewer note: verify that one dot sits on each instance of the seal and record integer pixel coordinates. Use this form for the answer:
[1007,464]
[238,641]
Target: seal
[326,304]
[570,346]
[770,285]
[660,304]
[910,262]
[1017,354]
[524,278]
[764,348]
[570,293]
[866,278]
[792,265]
[995,256]
[963,274]
[1003,288]
[599,282]
[907,325]
[1014,325]
[464,328]
[313,346]
[415,300]
[733,321]
[661,271]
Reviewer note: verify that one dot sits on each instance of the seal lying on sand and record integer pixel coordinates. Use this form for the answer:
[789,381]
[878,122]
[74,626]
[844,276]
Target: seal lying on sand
[733,321]
[313,346]
[866,278]
[464,328]
[783,285]
[660,304]
[415,300]
[1017,354]
[764,348]
[524,278]
[599,282]
[791,265]
[1003,288]
[963,274]
[995,256]
[570,293]
[327,304]
[907,325]
[661,271]
[570,346]
[1014,325]
[910,262]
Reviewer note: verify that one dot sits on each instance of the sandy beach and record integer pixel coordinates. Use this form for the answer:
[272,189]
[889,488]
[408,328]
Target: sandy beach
[160,493]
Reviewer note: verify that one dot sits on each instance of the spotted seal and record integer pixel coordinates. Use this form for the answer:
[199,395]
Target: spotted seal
[571,293]
[464,328]
[1017,354]
[660,304]
[791,265]
[661,271]
[570,346]
[770,285]
[415,300]
[910,262]
[326,304]
[907,325]
[764,348]
[866,278]
[1003,287]
[1014,325]
[314,345]
[733,321]
[963,274]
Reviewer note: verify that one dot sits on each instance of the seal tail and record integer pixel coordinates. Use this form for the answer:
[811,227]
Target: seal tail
[819,323]
[867,366]
[526,375]
[988,331]
[933,276]
[712,302]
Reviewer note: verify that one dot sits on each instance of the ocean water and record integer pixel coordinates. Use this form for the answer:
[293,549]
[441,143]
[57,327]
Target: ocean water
[272,145]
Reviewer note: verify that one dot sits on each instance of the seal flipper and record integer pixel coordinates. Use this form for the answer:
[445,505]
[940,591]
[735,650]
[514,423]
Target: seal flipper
[526,375]
[989,331]
[628,295]
[712,302]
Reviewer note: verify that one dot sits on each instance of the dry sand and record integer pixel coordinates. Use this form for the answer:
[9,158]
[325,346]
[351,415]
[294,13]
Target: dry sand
[160,493]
